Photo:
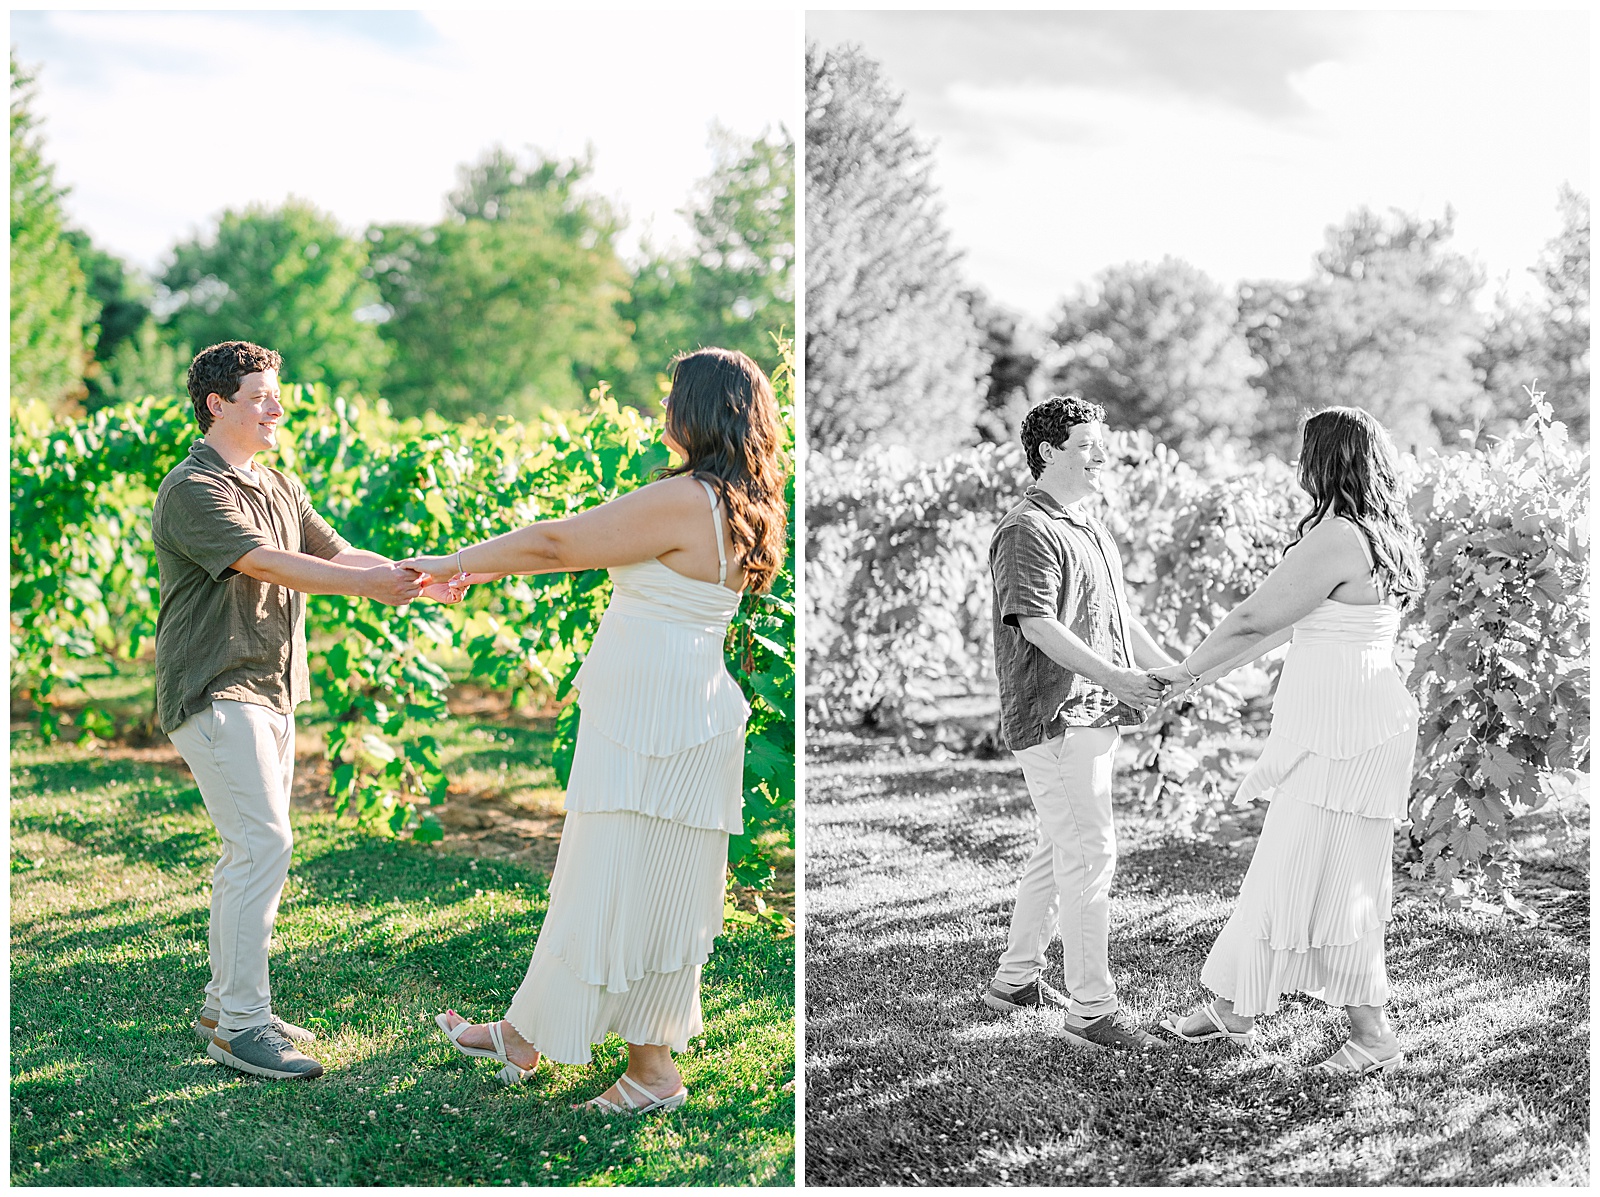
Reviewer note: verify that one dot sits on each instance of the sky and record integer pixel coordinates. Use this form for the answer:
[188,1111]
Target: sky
[1067,142]
[160,120]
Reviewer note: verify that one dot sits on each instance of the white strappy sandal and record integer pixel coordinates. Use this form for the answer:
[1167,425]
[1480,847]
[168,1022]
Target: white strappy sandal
[1336,1064]
[512,1074]
[651,1102]
[1246,1039]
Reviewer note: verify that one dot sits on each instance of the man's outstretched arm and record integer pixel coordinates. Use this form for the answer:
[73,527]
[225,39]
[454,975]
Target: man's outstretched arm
[382,582]
[1057,641]
[1147,652]
[446,591]
[360,557]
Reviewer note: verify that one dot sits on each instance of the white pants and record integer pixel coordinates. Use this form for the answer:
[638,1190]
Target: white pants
[242,757]
[1066,884]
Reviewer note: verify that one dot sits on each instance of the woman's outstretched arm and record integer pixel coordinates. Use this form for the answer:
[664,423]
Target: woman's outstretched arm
[638,526]
[1326,558]
[1260,648]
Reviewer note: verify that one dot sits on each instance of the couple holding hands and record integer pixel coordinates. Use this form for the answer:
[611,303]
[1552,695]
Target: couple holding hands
[1072,664]
[636,899]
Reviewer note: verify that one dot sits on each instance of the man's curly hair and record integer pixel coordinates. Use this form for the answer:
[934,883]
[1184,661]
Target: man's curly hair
[1052,421]
[217,370]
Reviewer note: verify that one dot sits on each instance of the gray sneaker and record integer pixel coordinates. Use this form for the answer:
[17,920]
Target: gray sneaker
[1117,1030]
[1035,995]
[264,1052]
[205,1027]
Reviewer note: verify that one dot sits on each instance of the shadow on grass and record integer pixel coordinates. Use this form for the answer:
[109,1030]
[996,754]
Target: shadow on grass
[480,745]
[144,1104]
[110,1085]
[912,1080]
[151,786]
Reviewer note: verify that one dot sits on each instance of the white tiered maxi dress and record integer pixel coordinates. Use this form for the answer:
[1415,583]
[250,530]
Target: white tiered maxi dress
[1337,768]
[656,786]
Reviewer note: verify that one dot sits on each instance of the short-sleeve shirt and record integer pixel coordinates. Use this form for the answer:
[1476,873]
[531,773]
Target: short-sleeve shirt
[1050,562]
[221,633]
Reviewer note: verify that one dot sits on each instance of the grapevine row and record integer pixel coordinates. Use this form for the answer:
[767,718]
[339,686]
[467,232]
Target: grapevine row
[898,614]
[84,585]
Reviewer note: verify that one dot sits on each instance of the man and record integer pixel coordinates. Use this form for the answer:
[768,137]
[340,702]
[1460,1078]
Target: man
[238,547]
[1071,663]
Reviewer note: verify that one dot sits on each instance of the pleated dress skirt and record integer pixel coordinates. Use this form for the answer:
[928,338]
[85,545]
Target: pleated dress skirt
[655,790]
[1336,769]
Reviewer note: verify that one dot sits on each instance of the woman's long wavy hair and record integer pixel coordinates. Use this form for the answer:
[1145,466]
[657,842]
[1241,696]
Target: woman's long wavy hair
[1349,467]
[723,413]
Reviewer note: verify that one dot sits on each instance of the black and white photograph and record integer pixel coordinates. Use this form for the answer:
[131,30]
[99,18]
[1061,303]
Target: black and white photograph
[1196,590]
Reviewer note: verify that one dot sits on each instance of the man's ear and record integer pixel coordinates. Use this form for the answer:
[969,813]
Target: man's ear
[214,409]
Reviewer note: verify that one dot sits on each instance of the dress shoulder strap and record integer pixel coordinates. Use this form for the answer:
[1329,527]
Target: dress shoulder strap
[716,515]
[1361,539]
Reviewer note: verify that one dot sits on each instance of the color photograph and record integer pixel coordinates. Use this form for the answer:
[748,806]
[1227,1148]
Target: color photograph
[1196,589]
[402,598]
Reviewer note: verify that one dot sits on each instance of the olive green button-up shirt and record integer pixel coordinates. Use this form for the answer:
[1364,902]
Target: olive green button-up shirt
[221,633]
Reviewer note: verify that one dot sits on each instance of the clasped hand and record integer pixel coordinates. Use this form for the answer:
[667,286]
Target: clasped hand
[1149,690]
[395,584]
[1181,683]
[440,580]
[1137,687]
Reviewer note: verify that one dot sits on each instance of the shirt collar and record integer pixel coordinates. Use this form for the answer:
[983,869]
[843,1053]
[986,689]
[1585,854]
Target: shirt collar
[1052,507]
[202,451]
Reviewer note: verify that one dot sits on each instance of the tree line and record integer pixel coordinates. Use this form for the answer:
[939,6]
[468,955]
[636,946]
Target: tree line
[516,300]
[899,350]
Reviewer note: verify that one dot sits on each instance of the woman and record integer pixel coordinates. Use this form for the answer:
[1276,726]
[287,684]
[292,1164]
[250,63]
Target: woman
[636,898]
[1337,764]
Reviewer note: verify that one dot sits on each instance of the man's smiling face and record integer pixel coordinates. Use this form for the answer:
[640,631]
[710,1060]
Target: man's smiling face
[1073,467]
[249,421]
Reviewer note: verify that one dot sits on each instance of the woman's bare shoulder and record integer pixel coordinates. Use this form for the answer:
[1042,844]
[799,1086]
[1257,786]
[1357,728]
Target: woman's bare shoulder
[680,488]
[1345,528]
[1336,537]
[1332,529]
[677,497]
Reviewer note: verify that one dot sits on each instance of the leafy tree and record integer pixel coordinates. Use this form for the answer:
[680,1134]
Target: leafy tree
[52,313]
[285,277]
[664,312]
[1385,323]
[892,351]
[511,303]
[1159,346]
[1015,350]
[144,363]
[1565,274]
[743,270]
[1547,339]
[122,292]
[736,289]
[124,296]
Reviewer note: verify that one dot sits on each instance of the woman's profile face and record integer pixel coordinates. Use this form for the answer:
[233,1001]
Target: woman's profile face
[667,439]
[1298,465]
[1311,467]
[671,442]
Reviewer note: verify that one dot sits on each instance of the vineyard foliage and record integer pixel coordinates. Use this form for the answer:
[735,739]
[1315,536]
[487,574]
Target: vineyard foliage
[898,614]
[1503,666]
[84,584]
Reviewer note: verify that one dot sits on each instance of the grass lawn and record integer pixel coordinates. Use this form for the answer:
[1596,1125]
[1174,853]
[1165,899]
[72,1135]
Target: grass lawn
[911,868]
[111,857]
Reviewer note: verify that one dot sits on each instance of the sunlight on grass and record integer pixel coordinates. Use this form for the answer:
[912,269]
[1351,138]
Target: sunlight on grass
[911,873]
[110,1086]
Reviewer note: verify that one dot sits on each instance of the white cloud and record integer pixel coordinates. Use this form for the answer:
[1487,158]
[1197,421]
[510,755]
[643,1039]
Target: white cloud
[1046,185]
[160,120]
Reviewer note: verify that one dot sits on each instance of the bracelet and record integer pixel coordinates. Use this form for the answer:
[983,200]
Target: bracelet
[1184,664]
[459,570]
